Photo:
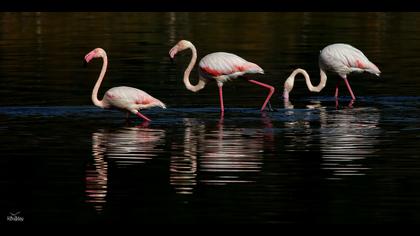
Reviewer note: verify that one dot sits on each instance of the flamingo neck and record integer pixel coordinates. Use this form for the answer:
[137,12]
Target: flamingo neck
[95,90]
[201,82]
[288,84]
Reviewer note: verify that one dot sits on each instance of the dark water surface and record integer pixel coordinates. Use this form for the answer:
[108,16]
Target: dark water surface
[311,161]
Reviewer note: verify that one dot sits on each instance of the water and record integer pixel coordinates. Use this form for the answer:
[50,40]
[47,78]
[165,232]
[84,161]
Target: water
[311,160]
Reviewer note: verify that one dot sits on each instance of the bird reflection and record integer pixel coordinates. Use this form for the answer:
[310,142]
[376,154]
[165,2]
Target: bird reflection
[97,175]
[221,154]
[346,136]
[347,139]
[183,167]
[229,154]
[122,147]
[299,126]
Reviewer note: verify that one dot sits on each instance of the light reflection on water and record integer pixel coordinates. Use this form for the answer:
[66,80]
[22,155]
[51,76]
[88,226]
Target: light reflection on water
[183,166]
[198,157]
[345,137]
[222,155]
[231,155]
[123,147]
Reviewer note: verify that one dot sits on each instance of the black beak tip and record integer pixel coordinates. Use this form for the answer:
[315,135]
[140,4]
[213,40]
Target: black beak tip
[84,64]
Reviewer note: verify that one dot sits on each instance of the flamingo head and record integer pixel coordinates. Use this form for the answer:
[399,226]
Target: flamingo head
[180,46]
[288,86]
[95,53]
[373,69]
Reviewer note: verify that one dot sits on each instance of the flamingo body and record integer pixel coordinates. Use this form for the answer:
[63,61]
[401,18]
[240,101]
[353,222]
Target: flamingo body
[223,66]
[123,98]
[220,66]
[130,99]
[344,59]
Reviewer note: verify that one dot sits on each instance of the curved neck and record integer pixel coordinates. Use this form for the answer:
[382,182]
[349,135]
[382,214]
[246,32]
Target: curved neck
[288,84]
[95,90]
[201,83]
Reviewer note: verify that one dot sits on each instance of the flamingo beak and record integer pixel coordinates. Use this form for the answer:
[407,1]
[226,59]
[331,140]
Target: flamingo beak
[89,56]
[173,52]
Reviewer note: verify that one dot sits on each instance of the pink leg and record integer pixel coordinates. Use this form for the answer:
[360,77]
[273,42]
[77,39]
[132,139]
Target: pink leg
[349,88]
[336,88]
[142,116]
[222,108]
[265,86]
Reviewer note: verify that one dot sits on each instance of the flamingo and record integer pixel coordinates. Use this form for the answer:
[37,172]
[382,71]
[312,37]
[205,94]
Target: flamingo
[123,98]
[222,67]
[338,58]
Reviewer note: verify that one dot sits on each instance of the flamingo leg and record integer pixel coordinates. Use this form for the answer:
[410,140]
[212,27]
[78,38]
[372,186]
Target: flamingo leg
[271,88]
[222,108]
[336,88]
[142,116]
[349,88]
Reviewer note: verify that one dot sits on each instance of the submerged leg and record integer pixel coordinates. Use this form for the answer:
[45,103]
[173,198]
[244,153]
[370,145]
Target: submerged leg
[349,88]
[336,88]
[142,116]
[351,103]
[222,108]
[144,124]
[271,88]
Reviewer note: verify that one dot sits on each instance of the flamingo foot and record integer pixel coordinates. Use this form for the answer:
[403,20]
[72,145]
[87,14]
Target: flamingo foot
[270,108]
[350,105]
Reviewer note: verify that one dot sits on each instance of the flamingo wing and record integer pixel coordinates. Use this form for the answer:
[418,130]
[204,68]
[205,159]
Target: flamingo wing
[226,66]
